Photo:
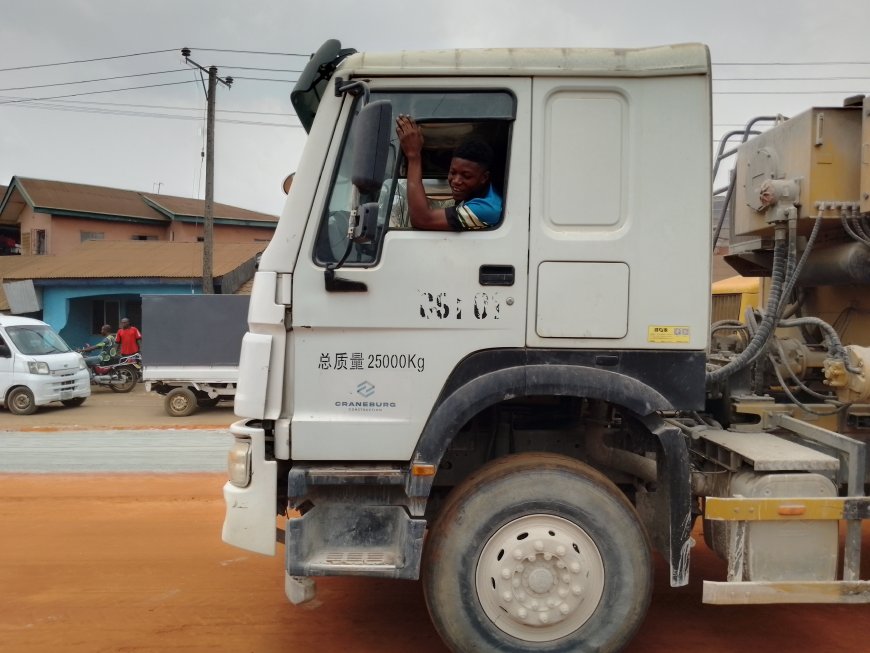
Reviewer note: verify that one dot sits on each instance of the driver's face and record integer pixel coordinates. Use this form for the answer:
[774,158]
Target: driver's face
[467,179]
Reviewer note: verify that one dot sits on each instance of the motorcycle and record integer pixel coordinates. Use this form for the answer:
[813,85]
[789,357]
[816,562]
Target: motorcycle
[120,376]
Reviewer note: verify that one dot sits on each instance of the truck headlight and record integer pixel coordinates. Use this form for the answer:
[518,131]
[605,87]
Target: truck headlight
[82,364]
[239,463]
[37,367]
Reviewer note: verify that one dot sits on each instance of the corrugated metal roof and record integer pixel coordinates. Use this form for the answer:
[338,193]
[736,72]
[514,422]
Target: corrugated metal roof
[104,259]
[187,207]
[83,198]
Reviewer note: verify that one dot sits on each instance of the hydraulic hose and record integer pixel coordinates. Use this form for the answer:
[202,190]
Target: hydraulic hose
[837,349]
[765,329]
[795,273]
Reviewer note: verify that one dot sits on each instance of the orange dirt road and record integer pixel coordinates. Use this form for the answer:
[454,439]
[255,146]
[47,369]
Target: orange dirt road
[135,563]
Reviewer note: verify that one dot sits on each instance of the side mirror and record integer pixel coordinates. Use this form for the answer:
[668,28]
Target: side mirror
[364,223]
[371,145]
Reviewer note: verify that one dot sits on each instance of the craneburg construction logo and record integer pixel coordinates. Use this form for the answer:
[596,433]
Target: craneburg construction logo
[366,390]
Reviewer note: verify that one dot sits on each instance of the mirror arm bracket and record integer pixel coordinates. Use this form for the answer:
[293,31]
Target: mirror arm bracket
[338,284]
[355,88]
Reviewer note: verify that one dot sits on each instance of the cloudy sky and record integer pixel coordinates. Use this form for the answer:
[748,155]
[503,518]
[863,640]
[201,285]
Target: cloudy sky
[151,138]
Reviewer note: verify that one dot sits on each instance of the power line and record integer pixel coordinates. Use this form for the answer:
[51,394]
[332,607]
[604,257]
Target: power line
[140,54]
[788,79]
[67,63]
[264,70]
[817,92]
[146,114]
[280,54]
[267,79]
[791,63]
[111,90]
[88,81]
[174,108]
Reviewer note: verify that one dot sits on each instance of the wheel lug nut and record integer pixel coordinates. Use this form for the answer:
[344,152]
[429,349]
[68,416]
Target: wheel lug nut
[560,550]
[564,609]
[507,596]
[544,617]
[523,613]
[518,554]
[577,590]
[506,573]
[539,546]
[575,567]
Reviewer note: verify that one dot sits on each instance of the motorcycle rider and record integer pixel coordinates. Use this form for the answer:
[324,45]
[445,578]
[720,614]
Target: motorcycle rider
[108,348]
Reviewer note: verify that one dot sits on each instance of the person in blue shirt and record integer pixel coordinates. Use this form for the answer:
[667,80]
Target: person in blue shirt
[476,203]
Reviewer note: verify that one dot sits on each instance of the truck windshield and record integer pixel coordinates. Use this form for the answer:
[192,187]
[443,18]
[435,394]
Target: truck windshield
[36,340]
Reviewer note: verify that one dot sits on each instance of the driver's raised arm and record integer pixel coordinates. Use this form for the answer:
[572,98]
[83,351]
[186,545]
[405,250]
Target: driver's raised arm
[411,140]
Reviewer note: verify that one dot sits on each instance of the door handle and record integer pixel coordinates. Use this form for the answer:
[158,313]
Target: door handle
[496,275]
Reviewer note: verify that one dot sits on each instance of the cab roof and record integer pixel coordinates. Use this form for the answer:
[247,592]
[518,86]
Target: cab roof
[680,59]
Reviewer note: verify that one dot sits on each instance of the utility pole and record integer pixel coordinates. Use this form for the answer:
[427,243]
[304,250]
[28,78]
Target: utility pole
[208,218]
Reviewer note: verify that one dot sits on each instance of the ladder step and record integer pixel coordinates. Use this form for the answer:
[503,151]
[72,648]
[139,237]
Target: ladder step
[758,592]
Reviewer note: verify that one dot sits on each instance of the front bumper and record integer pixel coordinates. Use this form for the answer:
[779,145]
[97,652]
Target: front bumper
[59,386]
[249,522]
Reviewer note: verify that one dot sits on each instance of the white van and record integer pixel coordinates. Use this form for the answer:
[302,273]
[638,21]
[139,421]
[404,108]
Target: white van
[38,367]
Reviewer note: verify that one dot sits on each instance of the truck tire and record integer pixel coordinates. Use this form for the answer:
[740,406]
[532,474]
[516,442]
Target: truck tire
[20,401]
[537,552]
[74,402]
[124,379]
[180,402]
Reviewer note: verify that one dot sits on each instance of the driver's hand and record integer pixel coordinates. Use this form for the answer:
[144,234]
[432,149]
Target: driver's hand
[410,135]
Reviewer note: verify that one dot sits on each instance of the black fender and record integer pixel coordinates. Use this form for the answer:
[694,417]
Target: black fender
[674,492]
[467,394]
[465,401]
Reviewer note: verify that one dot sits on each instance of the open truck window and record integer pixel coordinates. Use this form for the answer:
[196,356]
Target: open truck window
[447,119]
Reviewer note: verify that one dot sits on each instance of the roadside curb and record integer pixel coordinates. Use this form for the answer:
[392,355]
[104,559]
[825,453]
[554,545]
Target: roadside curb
[98,427]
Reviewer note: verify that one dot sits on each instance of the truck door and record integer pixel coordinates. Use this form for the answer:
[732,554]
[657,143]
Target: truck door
[369,359]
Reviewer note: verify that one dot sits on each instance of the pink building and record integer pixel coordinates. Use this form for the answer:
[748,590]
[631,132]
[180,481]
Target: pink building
[55,217]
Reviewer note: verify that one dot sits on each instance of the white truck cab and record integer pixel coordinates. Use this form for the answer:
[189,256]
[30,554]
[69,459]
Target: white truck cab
[37,367]
[520,415]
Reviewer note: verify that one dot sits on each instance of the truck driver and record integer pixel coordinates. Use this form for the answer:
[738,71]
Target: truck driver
[476,203]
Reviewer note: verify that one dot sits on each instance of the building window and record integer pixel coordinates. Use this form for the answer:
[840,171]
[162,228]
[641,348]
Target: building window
[91,235]
[105,312]
[38,241]
[143,237]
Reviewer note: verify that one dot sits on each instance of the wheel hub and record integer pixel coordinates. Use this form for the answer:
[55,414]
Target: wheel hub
[540,577]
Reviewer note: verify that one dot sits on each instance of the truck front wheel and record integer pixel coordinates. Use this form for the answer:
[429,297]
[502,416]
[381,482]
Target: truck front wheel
[180,402]
[537,552]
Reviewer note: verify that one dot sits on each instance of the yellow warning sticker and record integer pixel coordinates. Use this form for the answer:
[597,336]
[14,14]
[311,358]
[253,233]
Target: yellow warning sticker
[665,334]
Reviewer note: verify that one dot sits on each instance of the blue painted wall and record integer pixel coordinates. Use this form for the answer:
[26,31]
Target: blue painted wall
[68,310]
